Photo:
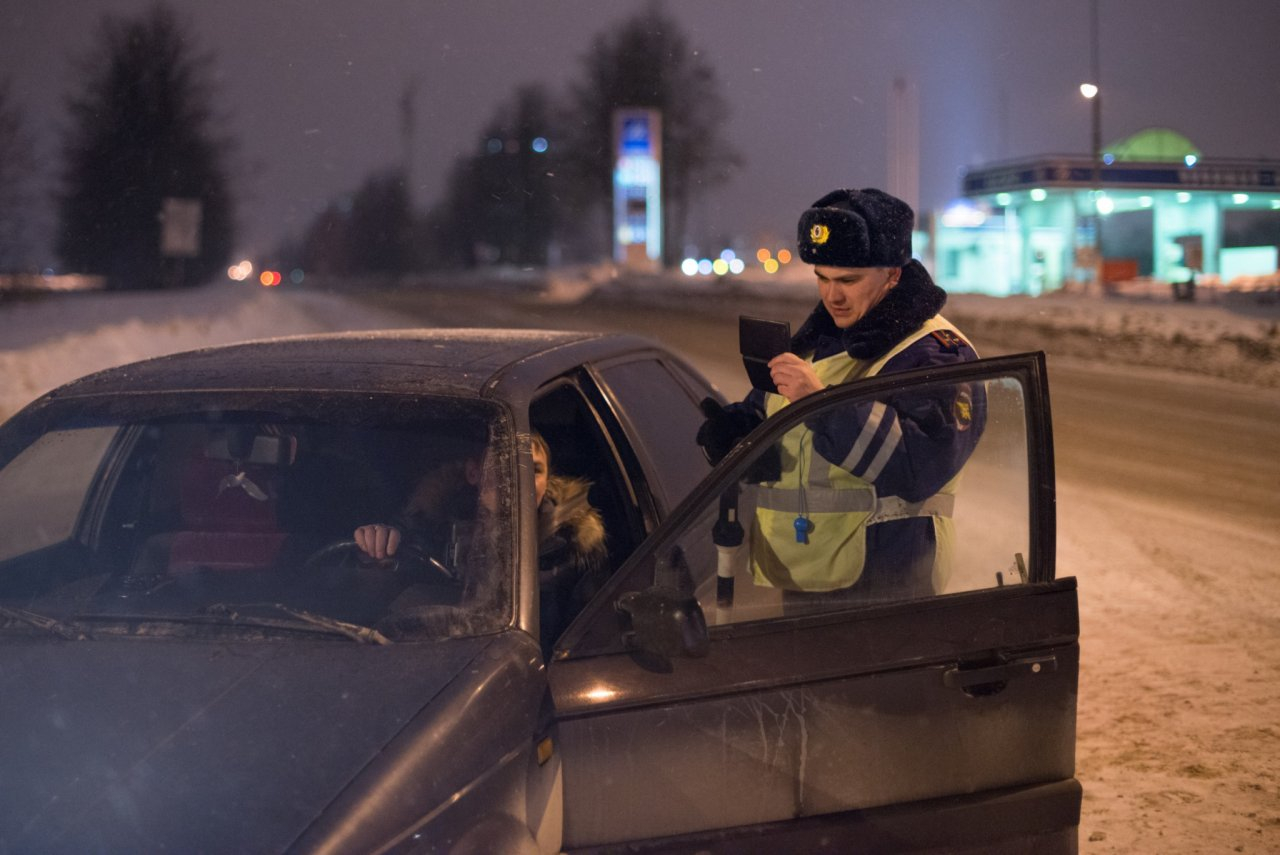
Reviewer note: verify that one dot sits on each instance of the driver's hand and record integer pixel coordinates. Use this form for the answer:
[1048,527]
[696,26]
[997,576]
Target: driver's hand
[378,540]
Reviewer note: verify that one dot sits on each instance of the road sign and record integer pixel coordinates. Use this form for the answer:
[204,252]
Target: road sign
[180,228]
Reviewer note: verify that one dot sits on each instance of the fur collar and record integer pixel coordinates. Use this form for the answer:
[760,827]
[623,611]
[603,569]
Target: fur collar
[566,511]
[908,304]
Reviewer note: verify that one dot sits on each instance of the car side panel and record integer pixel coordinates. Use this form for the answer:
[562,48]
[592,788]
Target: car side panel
[822,717]
[1042,819]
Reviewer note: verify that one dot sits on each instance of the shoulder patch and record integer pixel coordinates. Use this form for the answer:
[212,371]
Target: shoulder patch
[962,408]
[949,341]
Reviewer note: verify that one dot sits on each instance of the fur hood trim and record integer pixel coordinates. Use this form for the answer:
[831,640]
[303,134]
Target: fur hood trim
[565,510]
[908,304]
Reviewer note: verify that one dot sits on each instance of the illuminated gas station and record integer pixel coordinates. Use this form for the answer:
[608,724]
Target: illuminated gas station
[1152,206]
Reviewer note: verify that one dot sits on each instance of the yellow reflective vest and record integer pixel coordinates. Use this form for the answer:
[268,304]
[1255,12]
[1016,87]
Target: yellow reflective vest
[836,506]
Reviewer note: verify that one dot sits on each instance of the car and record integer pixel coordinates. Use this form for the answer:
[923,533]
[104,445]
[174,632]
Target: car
[196,656]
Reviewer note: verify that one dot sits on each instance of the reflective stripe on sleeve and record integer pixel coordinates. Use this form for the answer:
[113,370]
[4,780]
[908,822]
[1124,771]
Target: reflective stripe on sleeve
[878,409]
[887,448]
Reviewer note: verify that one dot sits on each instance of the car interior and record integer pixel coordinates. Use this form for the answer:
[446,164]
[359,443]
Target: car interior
[244,507]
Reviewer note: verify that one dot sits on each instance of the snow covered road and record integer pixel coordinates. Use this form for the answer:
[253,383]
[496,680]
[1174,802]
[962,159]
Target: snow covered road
[1167,505]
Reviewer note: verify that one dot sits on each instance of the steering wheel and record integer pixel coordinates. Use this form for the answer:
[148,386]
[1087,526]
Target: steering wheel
[408,558]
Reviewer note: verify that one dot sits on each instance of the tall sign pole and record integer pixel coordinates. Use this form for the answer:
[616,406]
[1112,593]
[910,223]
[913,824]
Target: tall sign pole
[407,121]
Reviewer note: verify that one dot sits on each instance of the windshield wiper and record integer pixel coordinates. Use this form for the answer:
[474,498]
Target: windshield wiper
[354,631]
[69,631]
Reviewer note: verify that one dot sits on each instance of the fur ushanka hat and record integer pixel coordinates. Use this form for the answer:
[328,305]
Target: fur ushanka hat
[857,228]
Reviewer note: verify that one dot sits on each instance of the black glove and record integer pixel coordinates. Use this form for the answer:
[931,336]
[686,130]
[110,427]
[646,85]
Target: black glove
[722,429]
[767,467]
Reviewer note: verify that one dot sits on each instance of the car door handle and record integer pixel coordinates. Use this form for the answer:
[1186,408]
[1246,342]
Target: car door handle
[967,678]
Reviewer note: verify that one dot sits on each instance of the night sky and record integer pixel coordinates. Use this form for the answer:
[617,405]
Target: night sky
[311,89]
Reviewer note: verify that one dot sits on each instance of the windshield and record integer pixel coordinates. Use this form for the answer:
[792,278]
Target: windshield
[191,521]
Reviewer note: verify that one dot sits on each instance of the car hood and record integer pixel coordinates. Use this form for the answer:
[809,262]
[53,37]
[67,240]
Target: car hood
[151,745]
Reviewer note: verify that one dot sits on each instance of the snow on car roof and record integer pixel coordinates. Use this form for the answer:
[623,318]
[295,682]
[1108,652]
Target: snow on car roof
[401,360]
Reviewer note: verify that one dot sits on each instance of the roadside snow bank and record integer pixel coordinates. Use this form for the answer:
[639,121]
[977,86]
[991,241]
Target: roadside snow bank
[1234,339]
[47,342]
[1233,342]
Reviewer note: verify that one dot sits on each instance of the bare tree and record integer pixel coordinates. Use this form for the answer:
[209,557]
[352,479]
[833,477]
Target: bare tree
[647,62]
[143,131]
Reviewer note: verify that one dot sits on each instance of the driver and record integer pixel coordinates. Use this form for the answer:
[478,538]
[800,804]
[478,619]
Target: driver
[443,502]
[572,555]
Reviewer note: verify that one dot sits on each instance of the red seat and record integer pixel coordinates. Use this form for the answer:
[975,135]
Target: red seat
[227,504]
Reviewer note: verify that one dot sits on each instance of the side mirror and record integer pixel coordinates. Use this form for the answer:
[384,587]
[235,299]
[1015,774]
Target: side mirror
[661,623]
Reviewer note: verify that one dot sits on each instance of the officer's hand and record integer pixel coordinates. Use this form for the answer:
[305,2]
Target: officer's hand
[378,541]
[722,429]
[794,377]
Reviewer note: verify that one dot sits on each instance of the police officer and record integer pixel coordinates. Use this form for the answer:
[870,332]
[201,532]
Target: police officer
[858,503]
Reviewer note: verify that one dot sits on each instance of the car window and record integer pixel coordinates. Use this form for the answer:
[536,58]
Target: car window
[866,500]
[664,419]
[233,518]
[43,489]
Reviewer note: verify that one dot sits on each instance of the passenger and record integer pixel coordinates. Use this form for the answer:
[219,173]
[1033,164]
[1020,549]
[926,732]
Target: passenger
[572,558]
[858,502]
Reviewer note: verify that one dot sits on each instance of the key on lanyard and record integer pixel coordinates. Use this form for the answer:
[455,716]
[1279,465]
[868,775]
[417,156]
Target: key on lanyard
[803,527]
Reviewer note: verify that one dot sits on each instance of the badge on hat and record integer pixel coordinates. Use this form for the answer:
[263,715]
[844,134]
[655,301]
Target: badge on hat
[856,228]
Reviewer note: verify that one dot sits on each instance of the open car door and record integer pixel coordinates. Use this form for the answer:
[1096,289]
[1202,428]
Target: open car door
[700,710]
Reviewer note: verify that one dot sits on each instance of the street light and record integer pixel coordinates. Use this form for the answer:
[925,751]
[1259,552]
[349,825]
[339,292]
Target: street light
[1093,94]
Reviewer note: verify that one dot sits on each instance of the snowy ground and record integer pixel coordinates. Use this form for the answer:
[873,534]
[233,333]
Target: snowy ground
[1179,736]
[44,343]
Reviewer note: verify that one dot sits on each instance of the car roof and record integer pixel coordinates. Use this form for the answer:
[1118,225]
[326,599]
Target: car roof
[408,361]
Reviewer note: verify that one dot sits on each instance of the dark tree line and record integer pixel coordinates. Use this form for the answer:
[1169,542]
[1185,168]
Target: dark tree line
[372,231]
[142,131]
[17,162]
[537,189]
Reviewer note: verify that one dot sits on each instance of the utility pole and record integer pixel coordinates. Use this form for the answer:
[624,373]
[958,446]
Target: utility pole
[1095,73]
[407,121]
[904,142]
[1093,91]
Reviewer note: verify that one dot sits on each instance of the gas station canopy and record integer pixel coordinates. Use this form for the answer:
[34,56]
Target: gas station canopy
[1150,205]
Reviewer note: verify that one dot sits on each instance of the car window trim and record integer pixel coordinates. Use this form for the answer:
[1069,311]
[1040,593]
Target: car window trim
[650,466]
[1030,368]
[600,396]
